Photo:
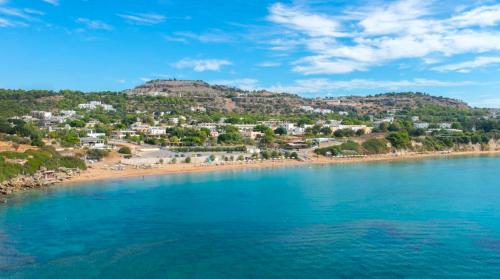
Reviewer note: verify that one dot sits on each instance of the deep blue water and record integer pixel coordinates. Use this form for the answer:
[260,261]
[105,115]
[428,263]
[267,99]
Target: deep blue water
[430,218]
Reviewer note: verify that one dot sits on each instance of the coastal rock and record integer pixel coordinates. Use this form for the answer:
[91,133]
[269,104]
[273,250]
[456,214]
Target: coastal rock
[41,178]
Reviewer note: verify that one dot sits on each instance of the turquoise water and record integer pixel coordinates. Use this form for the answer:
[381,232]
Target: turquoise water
[432,218]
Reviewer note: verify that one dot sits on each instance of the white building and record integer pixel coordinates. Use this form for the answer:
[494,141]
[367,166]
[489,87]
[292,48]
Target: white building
[251,134]
[95,104]
[198,109]
[174,120]
[68,113]
[140,127]
[444,125]
[356,128]
[93,143]
[121,134]
[421,125]
[307,108]
[322,111]
[156,131]
[95,135]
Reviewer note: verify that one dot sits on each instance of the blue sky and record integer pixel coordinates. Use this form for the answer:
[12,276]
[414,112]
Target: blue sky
[313,48]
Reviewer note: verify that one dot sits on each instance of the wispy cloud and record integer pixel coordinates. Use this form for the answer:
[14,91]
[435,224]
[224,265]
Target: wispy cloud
[33,12]
[211,36]
[12,17]
[269,64]
[52,2]
[143,18]
[303,21]
[467,66]
[360,38]
[201,65]
[5,23]
[94,24]
[12,12]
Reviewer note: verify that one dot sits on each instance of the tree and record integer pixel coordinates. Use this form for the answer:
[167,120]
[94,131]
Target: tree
[265,154]
[280,131]
[125,150]
[261,128]
[343,133]
[399,140]
[69,139]
[187,160]
[274,154]
[326,131]
[77,123]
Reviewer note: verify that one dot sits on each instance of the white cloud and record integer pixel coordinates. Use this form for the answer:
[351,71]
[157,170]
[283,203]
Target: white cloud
[15,13]
[482,16]
[323,65]
[202,65]
[13,17]
[308,23]
[269,64]
[5,23]
[212,36]
[357,39]
[33,12]
[467,66]
[143,18]
[52,2]
[94,24]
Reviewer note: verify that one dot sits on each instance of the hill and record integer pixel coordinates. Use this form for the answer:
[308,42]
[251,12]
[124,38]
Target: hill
[219,97]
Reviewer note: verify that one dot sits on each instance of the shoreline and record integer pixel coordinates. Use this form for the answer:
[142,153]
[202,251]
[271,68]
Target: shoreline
[99,174]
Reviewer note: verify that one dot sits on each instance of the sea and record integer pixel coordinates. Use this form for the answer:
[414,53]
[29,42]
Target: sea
[432,218]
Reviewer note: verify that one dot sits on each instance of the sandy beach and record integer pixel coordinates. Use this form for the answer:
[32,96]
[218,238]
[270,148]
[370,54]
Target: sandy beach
[104,171]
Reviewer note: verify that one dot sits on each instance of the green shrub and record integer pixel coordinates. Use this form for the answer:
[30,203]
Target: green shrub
[125,150]
[13,155]
[375,146]
[97,154]
[399,140]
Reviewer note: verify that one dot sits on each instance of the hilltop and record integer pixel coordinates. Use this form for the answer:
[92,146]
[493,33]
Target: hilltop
[220,97]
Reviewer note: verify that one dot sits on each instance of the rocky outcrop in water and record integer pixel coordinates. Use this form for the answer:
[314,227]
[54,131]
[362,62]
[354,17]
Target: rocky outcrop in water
[41,178]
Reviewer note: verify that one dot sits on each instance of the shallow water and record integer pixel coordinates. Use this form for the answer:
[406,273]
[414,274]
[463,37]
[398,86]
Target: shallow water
[429,218]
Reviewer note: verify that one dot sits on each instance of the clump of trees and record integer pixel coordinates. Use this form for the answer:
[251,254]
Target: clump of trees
[399,140]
